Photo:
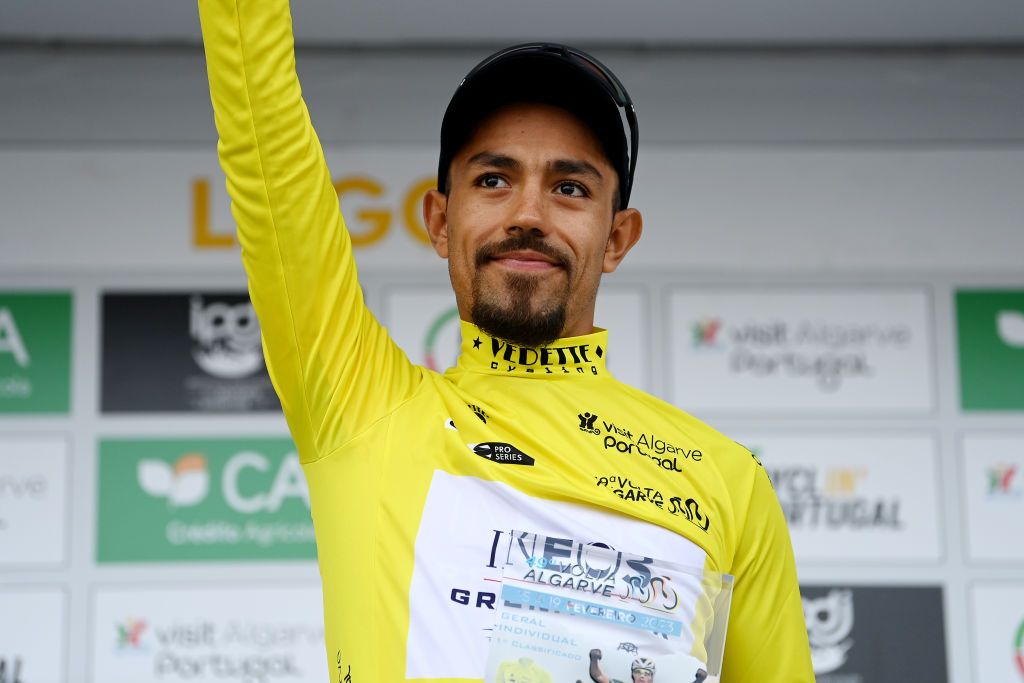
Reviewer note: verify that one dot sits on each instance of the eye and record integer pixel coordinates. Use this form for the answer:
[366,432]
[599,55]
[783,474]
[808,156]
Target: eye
[571,189]
[492,181]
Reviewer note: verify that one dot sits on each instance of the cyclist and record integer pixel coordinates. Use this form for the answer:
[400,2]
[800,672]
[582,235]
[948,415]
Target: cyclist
[415,476]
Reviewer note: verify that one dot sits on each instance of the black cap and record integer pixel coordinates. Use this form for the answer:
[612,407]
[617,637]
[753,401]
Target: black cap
[548,73]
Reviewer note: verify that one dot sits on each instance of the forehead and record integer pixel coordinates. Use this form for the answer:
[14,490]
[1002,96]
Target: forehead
[535,130]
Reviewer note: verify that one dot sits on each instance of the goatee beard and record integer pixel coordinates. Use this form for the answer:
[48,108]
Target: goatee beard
[517,322]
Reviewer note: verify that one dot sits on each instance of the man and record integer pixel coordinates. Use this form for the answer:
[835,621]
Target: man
[641,670]
[416,477]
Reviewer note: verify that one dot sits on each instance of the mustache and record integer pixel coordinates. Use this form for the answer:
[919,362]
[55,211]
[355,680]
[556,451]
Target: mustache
[521,242]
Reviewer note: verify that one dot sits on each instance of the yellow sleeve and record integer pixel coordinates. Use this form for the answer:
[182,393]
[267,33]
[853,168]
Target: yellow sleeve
[766,640]
[335,369]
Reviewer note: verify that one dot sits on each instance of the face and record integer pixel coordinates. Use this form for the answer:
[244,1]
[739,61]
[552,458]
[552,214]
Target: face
[528,225]
[643,676]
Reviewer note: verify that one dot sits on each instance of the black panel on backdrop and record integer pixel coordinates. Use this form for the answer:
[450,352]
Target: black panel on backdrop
[867,634]
[183,352]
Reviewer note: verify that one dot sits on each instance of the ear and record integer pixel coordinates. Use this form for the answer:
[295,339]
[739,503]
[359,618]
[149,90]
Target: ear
[435,218]
[627,226]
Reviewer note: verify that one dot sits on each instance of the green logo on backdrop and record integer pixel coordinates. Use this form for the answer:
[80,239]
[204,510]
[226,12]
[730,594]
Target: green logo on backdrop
[990,326]
[202,499]
[35,352]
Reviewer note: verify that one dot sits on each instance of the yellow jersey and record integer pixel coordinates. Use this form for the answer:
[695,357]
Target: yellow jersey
[413,475]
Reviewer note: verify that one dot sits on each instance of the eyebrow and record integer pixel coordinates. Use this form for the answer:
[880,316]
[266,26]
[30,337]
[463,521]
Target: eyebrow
[560,166]
[576,167]
[494,160]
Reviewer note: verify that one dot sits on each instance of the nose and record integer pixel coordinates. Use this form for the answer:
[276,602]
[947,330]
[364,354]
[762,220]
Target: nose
[529,211]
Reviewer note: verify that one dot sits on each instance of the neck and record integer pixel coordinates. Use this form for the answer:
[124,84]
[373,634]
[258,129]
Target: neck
[577,355]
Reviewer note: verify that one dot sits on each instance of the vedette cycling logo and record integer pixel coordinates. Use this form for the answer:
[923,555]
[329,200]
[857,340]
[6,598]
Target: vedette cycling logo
[129,633]
[542,359]
[183,484]
[626,489]
[829,622]
[809,503]
[501,453]
[11,673]
[432,355]
[227,338]
[587,423]
[1018,647]
[1003,481]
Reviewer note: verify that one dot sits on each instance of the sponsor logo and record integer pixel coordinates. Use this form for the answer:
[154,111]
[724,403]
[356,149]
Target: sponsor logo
[829,623]
[990,330]
[209,350]
[431,353]
[705,333]
[129,633]
[501,453]
[183,483]
[1003,481]
[198,500]
[511,358]
[832,501]
[587,421]
[621,439]
[226,338]
[235,650]
[478,411]
[828,354]
[626,489]
[35,352]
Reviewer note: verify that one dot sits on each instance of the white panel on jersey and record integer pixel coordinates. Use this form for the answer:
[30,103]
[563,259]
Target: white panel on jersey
[457,574]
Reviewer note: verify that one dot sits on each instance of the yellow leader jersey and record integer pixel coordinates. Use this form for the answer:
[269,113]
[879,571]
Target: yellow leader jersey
[413,475]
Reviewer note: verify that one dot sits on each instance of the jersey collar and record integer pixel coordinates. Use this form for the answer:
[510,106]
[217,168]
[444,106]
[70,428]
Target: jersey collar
[582,356]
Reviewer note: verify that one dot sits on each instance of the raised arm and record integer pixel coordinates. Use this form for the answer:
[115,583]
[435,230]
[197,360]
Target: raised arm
[334,367]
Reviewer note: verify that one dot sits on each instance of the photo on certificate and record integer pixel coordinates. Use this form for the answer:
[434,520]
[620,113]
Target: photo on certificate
[572,611]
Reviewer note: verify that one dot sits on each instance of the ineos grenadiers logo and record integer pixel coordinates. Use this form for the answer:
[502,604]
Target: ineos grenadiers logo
[227,338]
[829,622]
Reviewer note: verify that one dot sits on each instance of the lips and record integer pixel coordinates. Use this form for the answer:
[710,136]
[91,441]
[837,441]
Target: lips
[525,260]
